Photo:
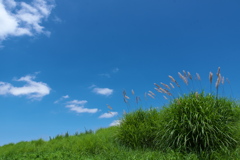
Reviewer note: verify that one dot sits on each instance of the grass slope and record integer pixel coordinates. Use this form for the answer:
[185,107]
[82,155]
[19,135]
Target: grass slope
[99,145]
[194,126]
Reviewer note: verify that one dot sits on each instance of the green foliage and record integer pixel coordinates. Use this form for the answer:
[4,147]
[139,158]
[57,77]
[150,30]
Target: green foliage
[89,131]
[194,123]
[200,123]
[138,129]
[98,146]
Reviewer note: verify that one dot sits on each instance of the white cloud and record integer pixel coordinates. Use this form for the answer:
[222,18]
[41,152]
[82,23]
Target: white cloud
[82,102]
[65,97]
[115,123]
[5,88]
[83,110]
[32,89]
[78,106]
[108,115]
[103,91]
[10,3]
[20,18]
[62,98]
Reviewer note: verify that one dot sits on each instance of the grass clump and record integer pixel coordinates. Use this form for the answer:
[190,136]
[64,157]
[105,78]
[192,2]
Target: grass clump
[200,123]
[194,123]
[138,129]
[204,124]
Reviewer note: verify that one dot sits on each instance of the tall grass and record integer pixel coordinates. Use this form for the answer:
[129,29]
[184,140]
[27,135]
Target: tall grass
[202,123]
[138,129]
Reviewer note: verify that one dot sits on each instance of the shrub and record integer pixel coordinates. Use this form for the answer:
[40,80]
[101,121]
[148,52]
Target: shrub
[138,129]
[199,123]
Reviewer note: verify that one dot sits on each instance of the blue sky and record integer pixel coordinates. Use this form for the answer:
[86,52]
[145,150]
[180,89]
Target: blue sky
[64,62]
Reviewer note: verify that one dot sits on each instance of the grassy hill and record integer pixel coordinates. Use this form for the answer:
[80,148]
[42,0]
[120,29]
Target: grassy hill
[98,146]
[107,144]
[193,126]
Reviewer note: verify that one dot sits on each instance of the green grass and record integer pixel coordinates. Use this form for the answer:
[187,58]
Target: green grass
[142,135]
[99,145]
[193,126]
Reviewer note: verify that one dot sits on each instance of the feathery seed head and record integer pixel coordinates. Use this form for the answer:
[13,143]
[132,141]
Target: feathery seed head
[174,80]
[158,90]
[183,78]
[109,106]
[218,72]
[185,73]
[168,93]
[180,75]
[189,75]
[218,80]
[126,97]
[150,95]
[165,97]
[198,76]
[156,85]
[223,80]
[133,92]
[165,85]
[210,77]
[163,90]
[172,85]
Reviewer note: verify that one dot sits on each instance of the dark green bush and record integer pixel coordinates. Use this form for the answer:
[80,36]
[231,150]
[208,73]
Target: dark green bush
[200,123]
[138,129]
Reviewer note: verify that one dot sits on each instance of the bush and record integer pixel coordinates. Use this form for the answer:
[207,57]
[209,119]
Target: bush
[138,129]
[200,123]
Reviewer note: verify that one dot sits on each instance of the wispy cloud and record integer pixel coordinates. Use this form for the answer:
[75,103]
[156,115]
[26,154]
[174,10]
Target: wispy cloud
[108,74]
[115,123]
[62,98]
[92,86]
[108,115]
[32,89]
[105,75]
[78,106]
[20,18]
[67,96]
[57,19]
[103,91]
[82,102]
[115,70]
